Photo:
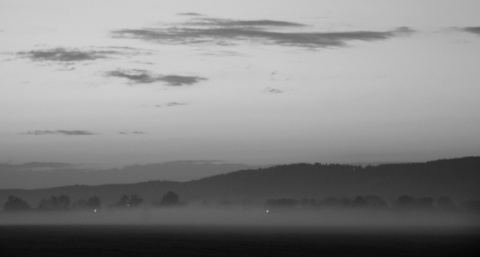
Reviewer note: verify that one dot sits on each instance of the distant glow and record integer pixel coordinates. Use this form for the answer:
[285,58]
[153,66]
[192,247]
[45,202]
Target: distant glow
[95,210]
[267,211]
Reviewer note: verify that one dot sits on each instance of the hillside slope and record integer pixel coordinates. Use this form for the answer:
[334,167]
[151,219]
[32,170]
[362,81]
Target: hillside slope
[456,178]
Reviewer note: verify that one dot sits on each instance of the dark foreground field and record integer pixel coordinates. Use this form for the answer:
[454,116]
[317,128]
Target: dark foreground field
[143,240]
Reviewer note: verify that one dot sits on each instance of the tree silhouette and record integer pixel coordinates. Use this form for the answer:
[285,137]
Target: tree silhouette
[135,200]
[61,203]
[45,205]
[359,202]
[15,204]
[80,204]
[282,203]
[335,203]
[94,203]
[308,202]
[129,201]
[123,202]
[376,202]
[170,199]
[406,202]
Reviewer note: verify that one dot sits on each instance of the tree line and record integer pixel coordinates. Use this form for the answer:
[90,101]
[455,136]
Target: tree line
[171,199]
[94,203]
[374,202]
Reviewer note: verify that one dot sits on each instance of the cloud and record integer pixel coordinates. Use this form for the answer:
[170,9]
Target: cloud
[144,76]
[131,132]
[190,14]
[175,80]
[171,104]
[242,23]
[60,132]
[66,55]
[273,90]
[136,76]
[474,30]
[225,32]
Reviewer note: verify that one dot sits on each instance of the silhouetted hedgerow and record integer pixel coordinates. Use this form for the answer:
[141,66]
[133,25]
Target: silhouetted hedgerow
[126,201]
[373,202]
[169,199]
[15,204]
[60,203]
[92,204]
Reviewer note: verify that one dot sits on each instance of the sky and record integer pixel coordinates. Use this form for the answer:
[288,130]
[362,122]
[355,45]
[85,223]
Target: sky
[257,82]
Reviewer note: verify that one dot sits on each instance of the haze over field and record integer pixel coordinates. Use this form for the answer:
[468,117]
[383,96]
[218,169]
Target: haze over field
[239,127]
[256,82]
[457,179]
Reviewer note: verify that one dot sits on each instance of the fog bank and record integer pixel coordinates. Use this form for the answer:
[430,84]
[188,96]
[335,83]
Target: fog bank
[326,219]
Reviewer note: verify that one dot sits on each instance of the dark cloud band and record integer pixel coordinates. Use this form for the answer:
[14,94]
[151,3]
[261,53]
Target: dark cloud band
[65,55]
[176,80]
[225,23]
[135,76]
[190,14]
[171,104]
[131,132]
[143,76]
[217,31]
[273,90]
[60,132]
[474,30]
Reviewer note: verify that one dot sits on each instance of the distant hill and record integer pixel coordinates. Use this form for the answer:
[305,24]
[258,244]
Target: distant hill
[49,174]
[456,178]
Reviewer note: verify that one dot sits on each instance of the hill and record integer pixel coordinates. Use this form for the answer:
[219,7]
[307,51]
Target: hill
[455,178]
[48,174]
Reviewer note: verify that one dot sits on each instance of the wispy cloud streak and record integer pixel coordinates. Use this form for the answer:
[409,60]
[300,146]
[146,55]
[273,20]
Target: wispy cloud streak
[59,132]
[144,76]
[219,31]
[131,132]
[172,104]
[273,90]
[253,24]
[66,55]
[190,14]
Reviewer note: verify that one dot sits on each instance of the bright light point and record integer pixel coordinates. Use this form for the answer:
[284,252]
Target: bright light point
[267,211]
[95,210]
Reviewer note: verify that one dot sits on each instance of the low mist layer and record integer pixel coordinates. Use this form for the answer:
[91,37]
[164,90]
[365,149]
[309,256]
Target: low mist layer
[258,217]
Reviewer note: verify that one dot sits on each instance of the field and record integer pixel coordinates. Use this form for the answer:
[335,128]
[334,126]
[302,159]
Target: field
[165,240]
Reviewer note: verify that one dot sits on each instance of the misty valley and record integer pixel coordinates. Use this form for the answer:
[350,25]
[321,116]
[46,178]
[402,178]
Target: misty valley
[239,128]
[363,226]
[239,231]
[369,211]
[437,193]
[284,210]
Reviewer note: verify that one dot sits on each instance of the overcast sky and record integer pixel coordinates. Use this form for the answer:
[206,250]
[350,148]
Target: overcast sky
[249,81]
